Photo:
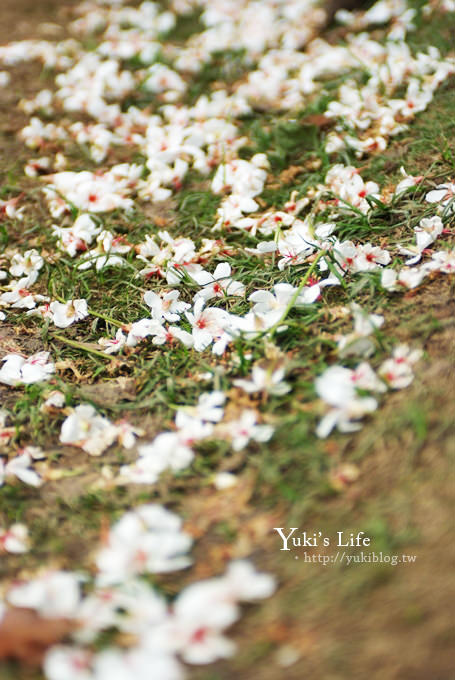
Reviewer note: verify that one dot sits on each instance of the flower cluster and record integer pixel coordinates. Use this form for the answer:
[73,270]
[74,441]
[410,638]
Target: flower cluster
[346,390]
[132,90]
[148,540]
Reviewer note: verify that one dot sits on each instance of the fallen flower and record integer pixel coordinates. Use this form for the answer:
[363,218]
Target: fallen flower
[87,429]
[241,431]
[444,195]
[54,594]
[66,313]
[19,467]
[18,370]
[15,539]
[397,371]
[147,539]
[337,386]
[266,380]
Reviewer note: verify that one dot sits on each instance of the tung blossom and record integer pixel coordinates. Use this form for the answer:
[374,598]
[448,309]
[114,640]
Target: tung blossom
[359,342]
[66,313]
[397,371]
[444,195]
[77,237]
[26,264]
[54,594]
[148,539]
[337,386]
[15,539]
[168,450]
[209,326]
[240,432]
[166,305]
[218,284]
[20,467]
[87,429]
[266,380]
[19,370]
[113,345]
[202,612]
[19,295]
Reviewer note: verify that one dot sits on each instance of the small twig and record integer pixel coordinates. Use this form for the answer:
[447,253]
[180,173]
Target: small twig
[79,345]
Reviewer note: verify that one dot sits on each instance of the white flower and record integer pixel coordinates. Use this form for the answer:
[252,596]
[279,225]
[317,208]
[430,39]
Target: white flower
[137,663]
[162,335]
[18,370]
[87,191]
[428,230]
[364,378]
[208,409]
[246,584]
[359,342]
[397,371]
[142,329]
[426,233]
[411,277]
[241,431]
[370,258]
[68,663]
[240,177]
[268,303]
[194,630]
[55,594]
[15,539]
[113,345]
[408,182]
[54,399]
[337,386]
[19,467]
[147,539]
[224,480]
[127,434]
[208,325]
[66,313]
[294,248]
[265,380]
[444,261]
[165,305]
[79,236]
[26,264]
[191,429]
[85,428]
[205,609]
[20,296]
[132,606]
[162,79]
[389,279]
[444,194]
[218,284]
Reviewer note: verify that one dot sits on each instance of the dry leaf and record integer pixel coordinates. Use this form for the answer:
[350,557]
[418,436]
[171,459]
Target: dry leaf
[67,364]
[110,392]
[317,119]
[289,174]
[25,636]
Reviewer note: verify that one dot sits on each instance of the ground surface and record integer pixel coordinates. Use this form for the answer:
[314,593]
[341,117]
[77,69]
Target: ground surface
[356,621]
